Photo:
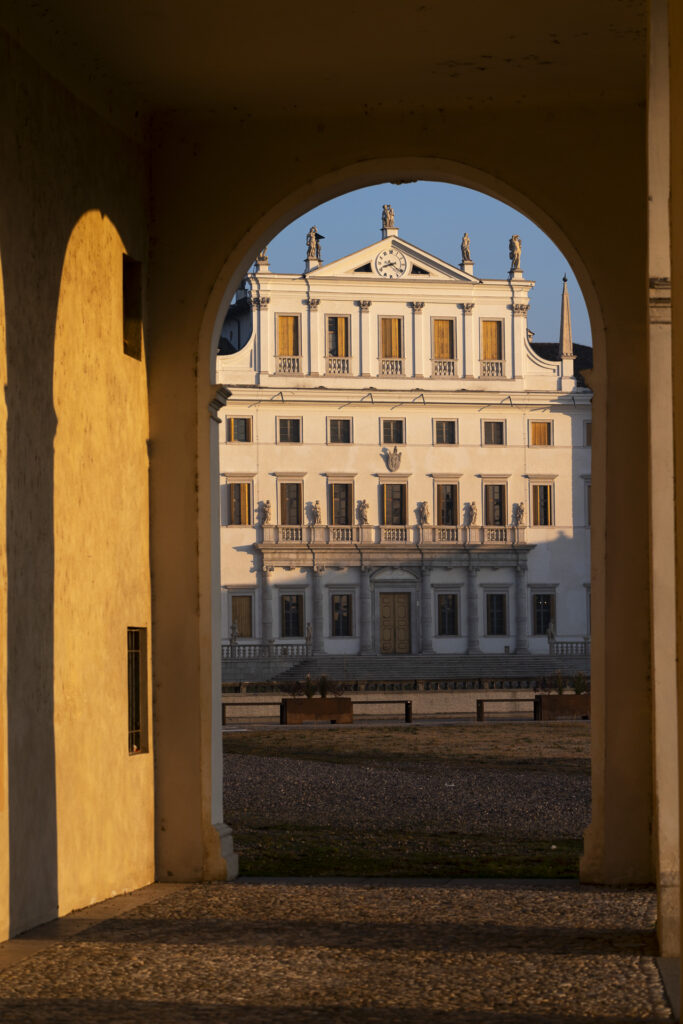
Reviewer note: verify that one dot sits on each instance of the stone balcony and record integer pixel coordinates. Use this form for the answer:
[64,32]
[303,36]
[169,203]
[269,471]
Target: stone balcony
[367,535]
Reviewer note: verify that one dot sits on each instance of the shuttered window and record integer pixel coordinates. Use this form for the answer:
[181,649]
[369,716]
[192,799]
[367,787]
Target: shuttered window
[338,336]
[390,330]
[239,504]
[238,428]
[341,504]
[340,431]
[342,624]
[491,340]
[292,610]
[241,614]
[393,504]
[447,504]
[540,433]
[392,431]
[542,504]
[448,614]
[444,347]
[289,431]
[290,504]
[288,335]
[445,432]
[494,432]
[495,505]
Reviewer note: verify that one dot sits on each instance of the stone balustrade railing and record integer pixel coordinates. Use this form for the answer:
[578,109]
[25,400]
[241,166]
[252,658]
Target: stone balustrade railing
[244,651]
[492,368]
[444,367]
[338,366]
[391,367]
[576,647]
[288,364]
[367,534]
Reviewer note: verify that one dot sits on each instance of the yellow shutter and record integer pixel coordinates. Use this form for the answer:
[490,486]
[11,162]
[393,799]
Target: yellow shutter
[287,336]
[241,615]
[391,337]
[540,433]
[342,336]
[492,348]
[443,339]
[244,504]
[537,505]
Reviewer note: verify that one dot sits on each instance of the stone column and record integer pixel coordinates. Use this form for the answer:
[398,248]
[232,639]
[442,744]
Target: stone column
[318,619]
[472,611]
[521,638]
[427,619]
[519,329]
[364,332]
[365,612]
[418,367]
[265,357]
[266,606]
[469,354]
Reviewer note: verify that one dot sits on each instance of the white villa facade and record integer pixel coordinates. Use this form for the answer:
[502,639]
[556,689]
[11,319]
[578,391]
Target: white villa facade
[401,472]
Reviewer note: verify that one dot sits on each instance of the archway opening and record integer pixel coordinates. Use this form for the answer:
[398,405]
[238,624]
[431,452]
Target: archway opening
[472,597]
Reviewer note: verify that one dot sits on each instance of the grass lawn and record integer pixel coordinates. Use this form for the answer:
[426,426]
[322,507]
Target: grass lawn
[283,848]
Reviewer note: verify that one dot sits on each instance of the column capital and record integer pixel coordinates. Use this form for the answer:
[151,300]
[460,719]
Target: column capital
[467,307]
[312,303]
[417,307]
[364,305]
[520,308]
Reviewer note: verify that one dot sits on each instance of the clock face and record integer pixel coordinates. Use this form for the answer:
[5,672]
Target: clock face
[390,263]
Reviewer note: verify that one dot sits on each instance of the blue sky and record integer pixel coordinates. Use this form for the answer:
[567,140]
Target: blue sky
[434,216]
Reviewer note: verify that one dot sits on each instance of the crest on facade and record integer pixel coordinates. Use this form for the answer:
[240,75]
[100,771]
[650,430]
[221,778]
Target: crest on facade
[393,459]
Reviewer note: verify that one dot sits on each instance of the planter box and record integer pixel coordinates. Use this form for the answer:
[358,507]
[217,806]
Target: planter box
[297,710]
[562,707]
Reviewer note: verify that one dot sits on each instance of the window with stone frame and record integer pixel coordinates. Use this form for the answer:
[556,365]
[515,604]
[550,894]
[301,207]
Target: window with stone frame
[292,615]
[447,614]
[393,432]
[338,336]
[496,614]
[238,429]
[291,504]
[445,432]
[289,430]
[341,504]
[341,615]
[447,504]
[540,433]
[287,335]
[239,504]
[340,431]
[542,505]
[494,432]
[393,504]
[241,617]
[495,504]
[543,610]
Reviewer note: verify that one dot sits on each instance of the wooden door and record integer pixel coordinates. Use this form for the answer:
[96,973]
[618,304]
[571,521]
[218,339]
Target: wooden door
[394,623]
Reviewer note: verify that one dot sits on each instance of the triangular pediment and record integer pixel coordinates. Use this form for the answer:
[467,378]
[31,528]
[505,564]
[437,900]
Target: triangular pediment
[414,264]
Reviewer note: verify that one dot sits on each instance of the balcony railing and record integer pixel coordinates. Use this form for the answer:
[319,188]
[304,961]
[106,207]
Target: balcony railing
[288,364]
[444,367]
[338,366]
[368,534]
[391,367]
[240,651]
[492,368]
[575,647]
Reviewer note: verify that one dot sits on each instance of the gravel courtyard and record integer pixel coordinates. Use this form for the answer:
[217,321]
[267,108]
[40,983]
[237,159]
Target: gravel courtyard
[358,805]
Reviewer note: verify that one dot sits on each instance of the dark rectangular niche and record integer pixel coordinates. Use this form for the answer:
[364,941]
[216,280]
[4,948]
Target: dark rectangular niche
[132,307]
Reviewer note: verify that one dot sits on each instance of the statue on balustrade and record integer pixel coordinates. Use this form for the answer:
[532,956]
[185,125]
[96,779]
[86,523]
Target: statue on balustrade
[465,248]
[313,251]
[265,513]
[387,216]
[363,512]
[423,513]
[316,513]
[470,513]
[515,252]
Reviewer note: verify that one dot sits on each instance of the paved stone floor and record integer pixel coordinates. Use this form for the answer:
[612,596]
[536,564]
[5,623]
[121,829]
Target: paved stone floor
[391,952]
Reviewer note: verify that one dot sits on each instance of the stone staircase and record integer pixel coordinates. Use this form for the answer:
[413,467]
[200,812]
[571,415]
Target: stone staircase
[397,668]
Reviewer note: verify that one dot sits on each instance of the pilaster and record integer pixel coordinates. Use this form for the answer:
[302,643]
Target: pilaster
[318,617]
[472,610]
[469,356]
[519,329]
[521,638]
[365,612]
[364,336]
[427,622]
[315,347]
[418,368]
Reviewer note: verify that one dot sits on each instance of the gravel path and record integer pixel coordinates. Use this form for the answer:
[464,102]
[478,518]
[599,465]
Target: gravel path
[353,953]
[479,801]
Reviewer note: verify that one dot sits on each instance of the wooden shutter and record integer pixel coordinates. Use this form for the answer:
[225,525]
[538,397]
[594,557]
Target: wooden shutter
[341,504]
[394,504]
[447,505]
[492,348]
[540,433]
[391,337]
[290,504]
[287,336]
[443,339]
[495,512]
[342,336]
[241,615]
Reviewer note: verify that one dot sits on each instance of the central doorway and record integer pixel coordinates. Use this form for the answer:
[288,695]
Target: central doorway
[394,623]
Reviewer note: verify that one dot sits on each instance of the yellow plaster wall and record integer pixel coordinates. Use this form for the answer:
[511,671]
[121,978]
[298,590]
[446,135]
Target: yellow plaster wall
[104,796]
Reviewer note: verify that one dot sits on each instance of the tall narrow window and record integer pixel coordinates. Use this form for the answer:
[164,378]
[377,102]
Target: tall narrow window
[338,336]
[137,690]
[448,614]
[495,505]
[445,432]
[292,610]
[132,307]
[238,428]
[444,344]
[540,433]
[447,504]
[288,335]
[544,613]
[239,504]
[496,614]
[341,615]
[290,504]
[542,504]
[391,340]
[393,504]
[242,614]
[491,340]
[341,504]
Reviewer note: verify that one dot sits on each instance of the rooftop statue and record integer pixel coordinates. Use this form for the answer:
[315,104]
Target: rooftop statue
[313,244]
[387,216]
[515,252]
[465,248]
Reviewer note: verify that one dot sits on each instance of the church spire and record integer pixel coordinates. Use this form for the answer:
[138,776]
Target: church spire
[566,344]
